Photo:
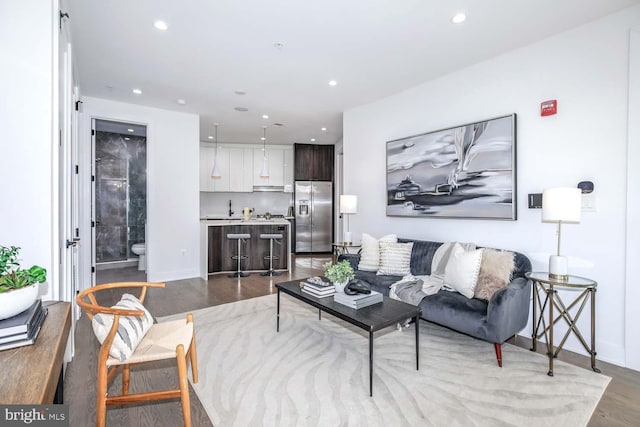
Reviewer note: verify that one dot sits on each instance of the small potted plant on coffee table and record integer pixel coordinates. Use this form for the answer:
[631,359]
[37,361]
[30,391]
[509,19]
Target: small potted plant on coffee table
[339,274]
[18,287]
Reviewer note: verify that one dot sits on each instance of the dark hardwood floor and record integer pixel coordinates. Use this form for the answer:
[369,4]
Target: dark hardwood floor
[618,407]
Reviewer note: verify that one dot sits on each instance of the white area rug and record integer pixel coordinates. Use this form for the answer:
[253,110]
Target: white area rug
[315,373]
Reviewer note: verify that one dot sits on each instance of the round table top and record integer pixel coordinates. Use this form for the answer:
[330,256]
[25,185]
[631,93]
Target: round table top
[571,282]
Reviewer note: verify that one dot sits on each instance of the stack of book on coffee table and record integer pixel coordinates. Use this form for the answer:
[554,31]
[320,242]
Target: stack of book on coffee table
[317,287]
[358,300]
[23,328]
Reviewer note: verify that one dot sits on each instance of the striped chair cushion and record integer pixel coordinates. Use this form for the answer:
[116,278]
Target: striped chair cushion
[131,329]
[395,258]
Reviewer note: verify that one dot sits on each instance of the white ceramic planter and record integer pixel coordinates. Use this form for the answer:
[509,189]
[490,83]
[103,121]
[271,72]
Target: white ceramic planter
[340,286]
[17,301]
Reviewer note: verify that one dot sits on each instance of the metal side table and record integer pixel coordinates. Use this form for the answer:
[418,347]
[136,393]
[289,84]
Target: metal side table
[546,297]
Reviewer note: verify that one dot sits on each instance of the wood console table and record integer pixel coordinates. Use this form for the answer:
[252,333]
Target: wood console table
[33,374]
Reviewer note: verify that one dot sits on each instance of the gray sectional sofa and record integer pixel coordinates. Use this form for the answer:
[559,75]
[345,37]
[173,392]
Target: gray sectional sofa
[495,321]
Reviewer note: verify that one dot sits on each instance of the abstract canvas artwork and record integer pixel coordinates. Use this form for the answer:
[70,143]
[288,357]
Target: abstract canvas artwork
[466,171]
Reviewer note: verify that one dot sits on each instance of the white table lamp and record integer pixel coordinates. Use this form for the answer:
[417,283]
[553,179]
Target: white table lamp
[348,206]
[561,205]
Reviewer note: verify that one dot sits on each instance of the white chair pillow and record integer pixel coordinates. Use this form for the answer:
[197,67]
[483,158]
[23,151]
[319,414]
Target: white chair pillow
[461,272]
[395,258]
[131,329]
[370,251]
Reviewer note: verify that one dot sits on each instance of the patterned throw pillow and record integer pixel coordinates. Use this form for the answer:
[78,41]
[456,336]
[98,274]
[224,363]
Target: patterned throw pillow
[495,272]
[395,258]
[370,253]
[131,329]
[463,267]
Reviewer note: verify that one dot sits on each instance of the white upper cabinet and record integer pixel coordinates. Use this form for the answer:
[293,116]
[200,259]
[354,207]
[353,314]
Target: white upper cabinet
[240,166]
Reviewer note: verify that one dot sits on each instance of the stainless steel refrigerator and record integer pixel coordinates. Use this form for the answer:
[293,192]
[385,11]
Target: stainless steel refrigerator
[314,214]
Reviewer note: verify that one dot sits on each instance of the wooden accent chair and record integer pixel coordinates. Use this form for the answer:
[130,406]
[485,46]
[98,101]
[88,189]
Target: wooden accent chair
[165,340]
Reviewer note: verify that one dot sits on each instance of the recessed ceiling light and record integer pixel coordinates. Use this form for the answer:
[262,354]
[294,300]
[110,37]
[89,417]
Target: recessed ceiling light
[129,130]
[332,82]
[323,129]
[181,102]
[240,92]
[160,25]
[265,116]
[243,109]
[137,91]
[313,140]
[459,18]
[210,137]
[278,45]
[278,124]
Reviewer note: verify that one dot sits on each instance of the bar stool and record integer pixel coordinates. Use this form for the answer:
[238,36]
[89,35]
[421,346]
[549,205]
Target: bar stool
[242,237]
[271,256]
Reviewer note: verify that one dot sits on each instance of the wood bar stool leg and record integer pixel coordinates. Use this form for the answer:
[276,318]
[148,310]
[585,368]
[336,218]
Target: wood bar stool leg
[126,375]
[101,397]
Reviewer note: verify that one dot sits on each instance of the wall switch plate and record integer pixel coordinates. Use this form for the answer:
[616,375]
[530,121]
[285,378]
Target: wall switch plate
[535,201]
[588,202]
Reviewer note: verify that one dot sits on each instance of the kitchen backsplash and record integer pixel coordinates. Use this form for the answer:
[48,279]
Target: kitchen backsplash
[261,202]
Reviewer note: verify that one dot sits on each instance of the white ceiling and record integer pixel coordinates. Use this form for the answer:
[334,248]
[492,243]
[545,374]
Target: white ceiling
[372,48]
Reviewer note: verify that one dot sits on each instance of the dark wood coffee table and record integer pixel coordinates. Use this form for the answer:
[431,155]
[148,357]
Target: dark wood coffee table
[371,318]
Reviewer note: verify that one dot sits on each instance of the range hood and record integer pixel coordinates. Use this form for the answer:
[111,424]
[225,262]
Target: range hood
[263,188]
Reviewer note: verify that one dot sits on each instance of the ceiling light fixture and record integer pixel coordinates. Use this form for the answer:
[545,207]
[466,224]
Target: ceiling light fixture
[160,25]
[313,140]
[241,109]
[323,129]
[265,116]
[459,18]
[215,172]
[210,137]
[181,102]
[137,91]
[332,82]
[264,173]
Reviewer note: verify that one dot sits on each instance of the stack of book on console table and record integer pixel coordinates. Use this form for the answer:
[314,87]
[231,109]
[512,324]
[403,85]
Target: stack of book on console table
[318,287]
[23,328]
[358,300]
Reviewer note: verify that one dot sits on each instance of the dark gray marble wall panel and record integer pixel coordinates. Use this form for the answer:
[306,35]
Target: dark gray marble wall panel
[121,195]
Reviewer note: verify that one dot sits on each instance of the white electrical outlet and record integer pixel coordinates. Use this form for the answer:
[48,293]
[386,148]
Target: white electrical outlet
[588,202]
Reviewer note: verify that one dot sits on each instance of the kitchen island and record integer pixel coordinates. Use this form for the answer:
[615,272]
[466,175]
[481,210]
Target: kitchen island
[217,250]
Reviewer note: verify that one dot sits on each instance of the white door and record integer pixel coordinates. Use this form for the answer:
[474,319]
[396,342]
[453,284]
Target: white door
[68,174]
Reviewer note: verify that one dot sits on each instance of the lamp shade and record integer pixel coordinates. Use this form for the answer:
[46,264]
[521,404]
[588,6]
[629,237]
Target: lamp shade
[561,204]
[348,204]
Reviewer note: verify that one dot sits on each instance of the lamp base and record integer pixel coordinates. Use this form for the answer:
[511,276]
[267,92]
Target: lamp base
[347,237]
[558,267]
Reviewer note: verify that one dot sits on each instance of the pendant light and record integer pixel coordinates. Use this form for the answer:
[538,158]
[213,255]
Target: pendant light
[264,173]
[215,172]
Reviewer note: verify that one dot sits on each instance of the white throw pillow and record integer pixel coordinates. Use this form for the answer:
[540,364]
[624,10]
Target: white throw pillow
[461,272]
[131,329]
[395,258]
[370,252]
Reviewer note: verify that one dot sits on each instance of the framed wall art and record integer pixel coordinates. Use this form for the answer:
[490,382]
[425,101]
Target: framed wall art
[467,171]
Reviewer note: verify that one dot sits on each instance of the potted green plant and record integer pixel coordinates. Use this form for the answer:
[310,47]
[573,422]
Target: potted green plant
[339,274]
[18,287]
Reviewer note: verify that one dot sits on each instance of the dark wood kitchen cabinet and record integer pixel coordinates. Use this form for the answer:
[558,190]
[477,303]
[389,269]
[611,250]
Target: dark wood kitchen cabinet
[313,162]
[221,249]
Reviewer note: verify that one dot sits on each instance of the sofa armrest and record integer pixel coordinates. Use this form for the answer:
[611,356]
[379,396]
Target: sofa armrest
[508,310]
[353,259]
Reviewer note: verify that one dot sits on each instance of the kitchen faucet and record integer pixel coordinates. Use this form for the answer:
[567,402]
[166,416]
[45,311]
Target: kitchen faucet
[230,211]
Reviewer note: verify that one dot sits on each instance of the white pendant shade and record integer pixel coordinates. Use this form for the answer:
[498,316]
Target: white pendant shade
[264,173]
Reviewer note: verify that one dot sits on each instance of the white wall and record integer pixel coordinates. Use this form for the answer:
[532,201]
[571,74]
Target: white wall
[28,158]
[586,70]
[173,240]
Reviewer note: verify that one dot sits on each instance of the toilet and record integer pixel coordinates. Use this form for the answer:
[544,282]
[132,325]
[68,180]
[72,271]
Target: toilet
[140,250]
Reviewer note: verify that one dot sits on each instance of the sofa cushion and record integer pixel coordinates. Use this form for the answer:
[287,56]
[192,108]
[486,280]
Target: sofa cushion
[370,251]
[495,272]
[421,256]
[395,258]
[463,267]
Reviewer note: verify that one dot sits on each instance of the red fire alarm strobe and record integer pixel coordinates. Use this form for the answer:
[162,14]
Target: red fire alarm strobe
[549,108]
